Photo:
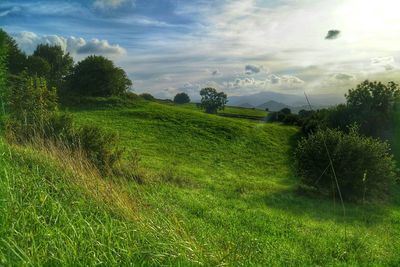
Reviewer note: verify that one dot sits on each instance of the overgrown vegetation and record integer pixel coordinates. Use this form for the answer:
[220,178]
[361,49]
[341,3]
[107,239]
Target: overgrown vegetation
[349,165]
[370,105]
[34,119]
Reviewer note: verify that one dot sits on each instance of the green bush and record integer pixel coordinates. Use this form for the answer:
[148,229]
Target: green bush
[34,118]
[363,165]
[100,147]
[31,106]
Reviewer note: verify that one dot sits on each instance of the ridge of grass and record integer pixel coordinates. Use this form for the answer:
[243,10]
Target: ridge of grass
[217,191]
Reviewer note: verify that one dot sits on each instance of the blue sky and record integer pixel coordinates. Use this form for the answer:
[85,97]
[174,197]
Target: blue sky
[239,46]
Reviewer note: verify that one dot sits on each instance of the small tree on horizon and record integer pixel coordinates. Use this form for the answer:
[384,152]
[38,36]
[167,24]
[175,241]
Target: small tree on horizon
[181,98]
[212,101]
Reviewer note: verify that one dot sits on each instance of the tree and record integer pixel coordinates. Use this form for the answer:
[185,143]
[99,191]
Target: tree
[370,105]
[212,101]
[16,59]
[38,66]
[181,98]
[3,69]
[98,76]
[60,63]
[374,96]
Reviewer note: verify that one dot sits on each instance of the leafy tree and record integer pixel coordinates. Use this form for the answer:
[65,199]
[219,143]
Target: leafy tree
[370,105]
[60,63]
[16,59]
[3,69]
[181,98]
[212,101]
[38,66]
[98,76]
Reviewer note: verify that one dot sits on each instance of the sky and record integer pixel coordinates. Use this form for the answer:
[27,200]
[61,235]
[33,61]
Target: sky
[241,47]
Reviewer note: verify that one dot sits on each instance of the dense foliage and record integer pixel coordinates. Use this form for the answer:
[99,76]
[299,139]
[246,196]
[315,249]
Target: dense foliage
[60,63]
[98,76]
[370,105]
[31,106]
[38,66]
[363,166]
[181,98]
[33,118]
[3,69]
[16,59]
[212,101]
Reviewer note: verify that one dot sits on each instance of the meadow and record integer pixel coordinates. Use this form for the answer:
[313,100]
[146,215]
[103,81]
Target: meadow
[213,190]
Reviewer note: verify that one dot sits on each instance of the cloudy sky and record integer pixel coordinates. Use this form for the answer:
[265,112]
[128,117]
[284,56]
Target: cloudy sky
[239,46]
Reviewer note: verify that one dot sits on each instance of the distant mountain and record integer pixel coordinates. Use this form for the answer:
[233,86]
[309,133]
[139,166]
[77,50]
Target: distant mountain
[245,105]
[286,99]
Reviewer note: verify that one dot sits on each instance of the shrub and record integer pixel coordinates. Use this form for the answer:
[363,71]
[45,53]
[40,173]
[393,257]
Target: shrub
[32,105]
[181,98]
[34,119]
[363,165]
[100,147]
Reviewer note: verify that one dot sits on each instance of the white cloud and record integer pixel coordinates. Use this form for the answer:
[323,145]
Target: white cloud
[103,4]
[284,80]
[28,41]
[388,63]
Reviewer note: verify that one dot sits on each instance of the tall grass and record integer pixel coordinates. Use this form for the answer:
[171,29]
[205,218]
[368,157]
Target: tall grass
[58,210]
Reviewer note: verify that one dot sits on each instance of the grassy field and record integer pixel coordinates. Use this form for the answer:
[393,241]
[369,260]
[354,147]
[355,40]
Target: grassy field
[216,191]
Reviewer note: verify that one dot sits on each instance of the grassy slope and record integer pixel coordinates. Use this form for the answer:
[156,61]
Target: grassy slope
[217,190]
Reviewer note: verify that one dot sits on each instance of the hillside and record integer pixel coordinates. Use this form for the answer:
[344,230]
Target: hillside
[216,190]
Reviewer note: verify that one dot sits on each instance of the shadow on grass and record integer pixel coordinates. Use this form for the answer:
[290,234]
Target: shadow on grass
[321,208]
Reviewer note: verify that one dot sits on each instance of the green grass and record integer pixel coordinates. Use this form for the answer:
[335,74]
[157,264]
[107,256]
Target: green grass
[216,191]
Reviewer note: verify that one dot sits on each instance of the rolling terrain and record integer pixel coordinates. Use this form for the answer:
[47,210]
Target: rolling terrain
[212,190]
